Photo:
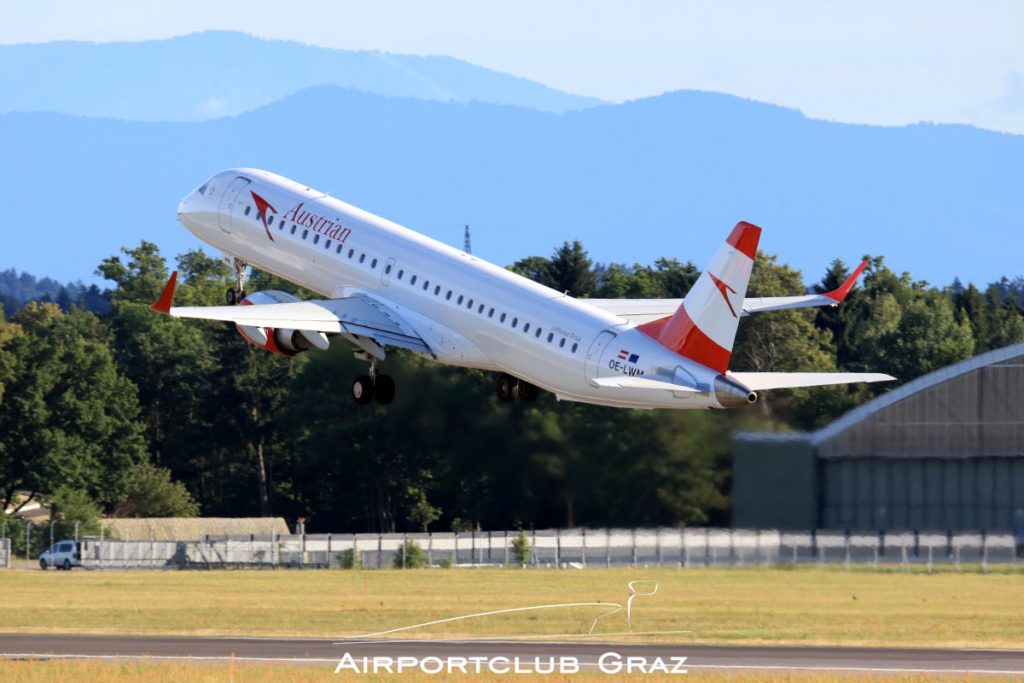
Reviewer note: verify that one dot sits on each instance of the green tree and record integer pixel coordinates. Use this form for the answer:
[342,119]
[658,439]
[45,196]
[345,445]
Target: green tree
[69,418]
[69,506]
[422,513]
[572,271]
[568,270]
[152,493]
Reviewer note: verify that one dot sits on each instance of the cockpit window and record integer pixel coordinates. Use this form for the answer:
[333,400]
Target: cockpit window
[202,190]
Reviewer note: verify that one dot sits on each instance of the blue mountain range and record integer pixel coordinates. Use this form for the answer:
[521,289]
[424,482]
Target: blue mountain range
[219,73]
[665,176]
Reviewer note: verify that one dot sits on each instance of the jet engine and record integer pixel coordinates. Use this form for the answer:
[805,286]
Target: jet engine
[286,342]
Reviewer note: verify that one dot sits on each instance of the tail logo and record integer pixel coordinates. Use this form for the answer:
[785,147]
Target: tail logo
[261,208]
[722,287]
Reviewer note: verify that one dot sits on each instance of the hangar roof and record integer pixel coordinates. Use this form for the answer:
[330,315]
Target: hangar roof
[974,407]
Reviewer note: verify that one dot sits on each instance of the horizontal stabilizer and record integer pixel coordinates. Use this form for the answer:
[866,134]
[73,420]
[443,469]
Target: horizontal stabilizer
[641,311]
[640,383]
[759,381]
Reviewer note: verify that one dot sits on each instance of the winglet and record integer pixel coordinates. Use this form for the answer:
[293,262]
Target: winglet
[840,292]
[163,304]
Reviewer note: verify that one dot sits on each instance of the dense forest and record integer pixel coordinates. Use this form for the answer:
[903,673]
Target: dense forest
[138,414]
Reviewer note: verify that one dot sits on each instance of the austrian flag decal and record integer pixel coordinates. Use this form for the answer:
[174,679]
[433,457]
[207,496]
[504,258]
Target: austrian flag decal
[261,208]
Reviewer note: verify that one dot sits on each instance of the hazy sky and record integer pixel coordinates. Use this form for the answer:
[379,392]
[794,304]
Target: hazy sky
[868,61]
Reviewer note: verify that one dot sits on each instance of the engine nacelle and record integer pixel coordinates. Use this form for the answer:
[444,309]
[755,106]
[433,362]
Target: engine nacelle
[286,342]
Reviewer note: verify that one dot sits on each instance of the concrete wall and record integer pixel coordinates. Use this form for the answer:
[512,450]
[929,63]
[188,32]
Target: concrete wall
[774,483]
[979,493]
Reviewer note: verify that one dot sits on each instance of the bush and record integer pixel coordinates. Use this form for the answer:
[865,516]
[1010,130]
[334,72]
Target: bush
[349,559]
[521,548]
[409,556]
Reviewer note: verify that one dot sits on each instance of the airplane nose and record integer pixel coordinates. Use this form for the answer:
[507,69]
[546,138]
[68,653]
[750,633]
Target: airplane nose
[186,204]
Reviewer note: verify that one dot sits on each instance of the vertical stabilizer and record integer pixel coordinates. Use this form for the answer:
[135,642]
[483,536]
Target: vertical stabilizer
[703,328]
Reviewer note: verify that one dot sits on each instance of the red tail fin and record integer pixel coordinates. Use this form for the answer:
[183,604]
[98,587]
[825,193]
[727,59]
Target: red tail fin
[703,328]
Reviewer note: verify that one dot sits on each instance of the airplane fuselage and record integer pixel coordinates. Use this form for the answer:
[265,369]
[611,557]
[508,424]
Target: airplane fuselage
[469,312]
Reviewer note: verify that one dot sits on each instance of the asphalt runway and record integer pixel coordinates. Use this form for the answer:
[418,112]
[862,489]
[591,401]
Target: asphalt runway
[328,653]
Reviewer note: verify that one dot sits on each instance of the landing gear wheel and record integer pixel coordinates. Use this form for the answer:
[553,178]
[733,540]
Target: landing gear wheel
[508,388]
[528,392]
[235,296]
[384,389]
[362,389]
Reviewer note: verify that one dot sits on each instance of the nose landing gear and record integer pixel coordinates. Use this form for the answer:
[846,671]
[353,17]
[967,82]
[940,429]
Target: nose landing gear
[235,295]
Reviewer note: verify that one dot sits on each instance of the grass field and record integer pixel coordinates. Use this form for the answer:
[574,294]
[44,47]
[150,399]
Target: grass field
[147,672]
[737,606]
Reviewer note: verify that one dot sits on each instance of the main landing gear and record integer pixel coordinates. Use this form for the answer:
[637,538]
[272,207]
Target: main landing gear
[235,295]
[367,388]
[511,388]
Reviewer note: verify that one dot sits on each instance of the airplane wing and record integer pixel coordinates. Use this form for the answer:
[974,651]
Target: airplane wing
[634,382]
[359,315]
[760,381]
[639,311]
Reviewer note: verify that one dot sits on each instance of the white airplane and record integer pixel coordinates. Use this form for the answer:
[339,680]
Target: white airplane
[388,286]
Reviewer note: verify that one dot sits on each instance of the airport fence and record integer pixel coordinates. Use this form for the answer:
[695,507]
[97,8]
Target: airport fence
[5,553]
[559,548]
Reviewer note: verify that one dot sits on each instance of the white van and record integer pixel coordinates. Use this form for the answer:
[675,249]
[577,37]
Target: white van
[62,555]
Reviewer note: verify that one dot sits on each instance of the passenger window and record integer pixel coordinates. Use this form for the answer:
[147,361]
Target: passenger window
[373,264]
[449,295]
[387,269]
[351,252]
[515,321]
[437,290]
[327,244]
[362,257]
[526,327]
[460,299]
[400,274]
[537,333]
[305,234]
[561,344]
[280,226]
[426,285]
[338,250]
[294,228]
[490,313]
[551,335]
[502,319]
[574,347]
[270,221]
[316,239]
[247,210]
[481,309]
[469,304]
[412,280]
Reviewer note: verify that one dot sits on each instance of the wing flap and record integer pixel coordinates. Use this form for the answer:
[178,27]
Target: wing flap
[760,381]
[358,315]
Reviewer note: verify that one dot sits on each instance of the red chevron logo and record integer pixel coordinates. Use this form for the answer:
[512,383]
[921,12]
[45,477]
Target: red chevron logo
[721,288]
[261,208]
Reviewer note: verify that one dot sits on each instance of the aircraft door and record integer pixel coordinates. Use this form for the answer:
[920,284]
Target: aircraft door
[232,199]
[593,363]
